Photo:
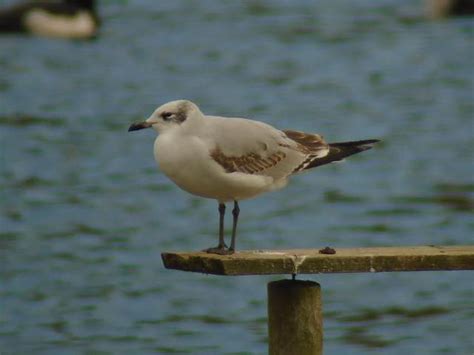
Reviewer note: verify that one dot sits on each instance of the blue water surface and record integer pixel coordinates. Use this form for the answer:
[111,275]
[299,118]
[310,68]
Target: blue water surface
[85,213]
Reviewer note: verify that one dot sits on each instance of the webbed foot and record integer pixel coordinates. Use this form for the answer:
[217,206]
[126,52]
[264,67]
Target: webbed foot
[220,250]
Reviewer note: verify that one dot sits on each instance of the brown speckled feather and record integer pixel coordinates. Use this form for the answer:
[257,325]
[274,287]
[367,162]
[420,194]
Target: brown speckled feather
[250,163]
[309,143]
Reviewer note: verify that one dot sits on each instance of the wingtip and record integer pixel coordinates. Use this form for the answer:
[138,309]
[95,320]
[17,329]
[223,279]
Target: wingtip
[371,141]
[366,144]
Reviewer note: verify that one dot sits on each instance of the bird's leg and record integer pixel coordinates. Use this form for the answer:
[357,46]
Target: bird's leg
[221,247]
[221,244]
[235,213]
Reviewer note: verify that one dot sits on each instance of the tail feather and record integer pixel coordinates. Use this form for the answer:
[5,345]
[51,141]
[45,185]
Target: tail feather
[341,150]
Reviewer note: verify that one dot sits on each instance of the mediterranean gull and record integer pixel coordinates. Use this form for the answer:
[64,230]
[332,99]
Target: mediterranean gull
[233,159]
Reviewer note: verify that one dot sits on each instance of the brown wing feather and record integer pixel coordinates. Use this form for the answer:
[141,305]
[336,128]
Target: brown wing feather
[308,142]
[250,163]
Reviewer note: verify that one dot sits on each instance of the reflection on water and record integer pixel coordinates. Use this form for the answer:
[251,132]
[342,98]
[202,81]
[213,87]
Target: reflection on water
[20,120]
[367,319]
[85,213]
[456,202]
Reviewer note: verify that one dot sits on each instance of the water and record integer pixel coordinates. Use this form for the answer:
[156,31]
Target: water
[85,213]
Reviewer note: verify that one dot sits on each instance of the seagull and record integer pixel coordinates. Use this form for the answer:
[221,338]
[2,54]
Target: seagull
[233,159]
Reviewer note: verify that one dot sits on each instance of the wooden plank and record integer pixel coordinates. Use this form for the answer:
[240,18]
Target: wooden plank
[310,261]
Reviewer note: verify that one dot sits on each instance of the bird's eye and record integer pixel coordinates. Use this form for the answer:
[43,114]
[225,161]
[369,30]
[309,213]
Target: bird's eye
[166,115]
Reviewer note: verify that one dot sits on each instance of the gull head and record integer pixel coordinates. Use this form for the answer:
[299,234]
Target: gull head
[170,116]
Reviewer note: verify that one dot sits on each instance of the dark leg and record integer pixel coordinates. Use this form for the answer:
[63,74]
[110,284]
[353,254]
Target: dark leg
[221,244]
[221,247]
[235,213]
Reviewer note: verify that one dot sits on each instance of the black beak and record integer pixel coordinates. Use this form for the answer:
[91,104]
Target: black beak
[139,125]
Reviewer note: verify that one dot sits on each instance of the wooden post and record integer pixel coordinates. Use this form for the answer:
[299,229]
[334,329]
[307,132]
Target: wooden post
[295,321]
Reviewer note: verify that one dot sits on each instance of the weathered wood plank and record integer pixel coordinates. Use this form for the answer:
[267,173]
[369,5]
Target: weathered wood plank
[310,261]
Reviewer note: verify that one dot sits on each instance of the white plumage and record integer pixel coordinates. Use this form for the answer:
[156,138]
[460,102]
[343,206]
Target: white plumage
[232,159]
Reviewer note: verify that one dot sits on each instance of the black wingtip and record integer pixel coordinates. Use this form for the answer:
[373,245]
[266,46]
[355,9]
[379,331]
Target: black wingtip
[367,143]
[372,141]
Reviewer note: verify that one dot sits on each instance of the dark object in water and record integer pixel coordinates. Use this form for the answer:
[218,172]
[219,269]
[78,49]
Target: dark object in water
[444,8]
[62,19]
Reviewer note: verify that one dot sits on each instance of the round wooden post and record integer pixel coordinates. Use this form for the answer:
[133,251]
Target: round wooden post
[295,322]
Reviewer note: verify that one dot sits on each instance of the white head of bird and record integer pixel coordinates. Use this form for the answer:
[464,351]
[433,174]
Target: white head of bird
[173,115]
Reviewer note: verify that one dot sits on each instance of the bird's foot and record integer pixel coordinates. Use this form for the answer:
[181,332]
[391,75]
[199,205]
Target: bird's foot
[220,250]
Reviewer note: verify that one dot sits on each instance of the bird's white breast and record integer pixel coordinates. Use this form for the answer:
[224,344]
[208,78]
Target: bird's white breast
[187,162]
